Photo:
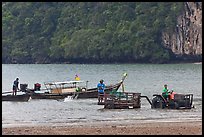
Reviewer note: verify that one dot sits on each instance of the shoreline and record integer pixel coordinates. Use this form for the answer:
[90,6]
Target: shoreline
[121,63]
[148,128]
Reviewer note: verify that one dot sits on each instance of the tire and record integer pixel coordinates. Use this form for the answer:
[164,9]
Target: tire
[176,105]
[157,102]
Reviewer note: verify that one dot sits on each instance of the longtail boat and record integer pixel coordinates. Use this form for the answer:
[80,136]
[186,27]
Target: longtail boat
[61,90]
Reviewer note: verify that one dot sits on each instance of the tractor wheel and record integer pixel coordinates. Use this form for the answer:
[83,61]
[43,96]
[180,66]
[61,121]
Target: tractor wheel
[176,105]
[157,102]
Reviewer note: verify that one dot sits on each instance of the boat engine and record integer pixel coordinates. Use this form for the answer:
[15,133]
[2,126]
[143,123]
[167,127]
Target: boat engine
[23,87]
[37,86]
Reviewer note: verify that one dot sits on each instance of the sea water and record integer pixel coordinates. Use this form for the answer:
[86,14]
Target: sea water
[147,79]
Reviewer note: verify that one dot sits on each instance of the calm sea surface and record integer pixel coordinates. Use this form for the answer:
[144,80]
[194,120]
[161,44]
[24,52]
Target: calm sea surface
[146,79]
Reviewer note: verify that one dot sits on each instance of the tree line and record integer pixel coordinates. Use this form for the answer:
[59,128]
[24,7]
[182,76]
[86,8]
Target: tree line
[87,32]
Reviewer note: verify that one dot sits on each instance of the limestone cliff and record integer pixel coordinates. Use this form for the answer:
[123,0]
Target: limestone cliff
[187,39]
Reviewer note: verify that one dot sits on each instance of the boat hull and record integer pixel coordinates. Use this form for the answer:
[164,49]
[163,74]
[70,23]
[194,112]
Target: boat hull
[19,98]
[87,94]
[47,96]
[93,93]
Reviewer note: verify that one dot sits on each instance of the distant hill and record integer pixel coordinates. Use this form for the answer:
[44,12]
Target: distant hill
[88,32]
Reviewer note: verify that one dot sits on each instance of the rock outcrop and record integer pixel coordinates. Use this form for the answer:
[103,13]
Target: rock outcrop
[187,39]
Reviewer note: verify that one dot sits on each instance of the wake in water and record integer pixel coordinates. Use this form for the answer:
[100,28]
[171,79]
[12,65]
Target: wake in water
[68,98]
[197,63]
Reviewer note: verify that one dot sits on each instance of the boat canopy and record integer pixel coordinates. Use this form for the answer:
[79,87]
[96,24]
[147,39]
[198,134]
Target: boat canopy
[63,82]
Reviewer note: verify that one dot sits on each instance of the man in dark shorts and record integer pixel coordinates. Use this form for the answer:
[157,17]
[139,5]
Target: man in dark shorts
[101,87]
[15,86]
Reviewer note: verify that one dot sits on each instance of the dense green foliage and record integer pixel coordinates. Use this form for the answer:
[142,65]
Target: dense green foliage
[86,32]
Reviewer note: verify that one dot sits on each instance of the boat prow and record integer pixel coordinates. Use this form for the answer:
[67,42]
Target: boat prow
[16,98]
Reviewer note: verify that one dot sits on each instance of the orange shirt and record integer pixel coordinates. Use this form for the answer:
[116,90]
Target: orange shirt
[171,96]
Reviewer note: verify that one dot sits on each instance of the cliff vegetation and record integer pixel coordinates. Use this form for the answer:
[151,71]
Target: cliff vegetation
[88,32]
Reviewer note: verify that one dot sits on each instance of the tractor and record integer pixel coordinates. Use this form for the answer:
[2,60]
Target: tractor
[179,101]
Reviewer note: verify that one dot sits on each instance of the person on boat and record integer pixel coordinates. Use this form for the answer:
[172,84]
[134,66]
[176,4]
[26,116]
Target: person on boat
[77,77]
[100,87]
[15,86]
[165,92]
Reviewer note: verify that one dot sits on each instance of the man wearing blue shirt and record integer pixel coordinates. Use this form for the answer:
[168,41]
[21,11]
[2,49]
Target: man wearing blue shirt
[101,87]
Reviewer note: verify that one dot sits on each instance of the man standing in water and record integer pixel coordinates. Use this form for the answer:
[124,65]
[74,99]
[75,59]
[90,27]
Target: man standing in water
[101,87]
[15,86]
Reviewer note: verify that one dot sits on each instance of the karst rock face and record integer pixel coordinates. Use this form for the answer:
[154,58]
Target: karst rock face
[187,37]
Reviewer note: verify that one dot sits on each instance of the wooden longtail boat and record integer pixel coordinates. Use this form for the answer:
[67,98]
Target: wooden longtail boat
[60,90]
[61,93]
[23,97]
